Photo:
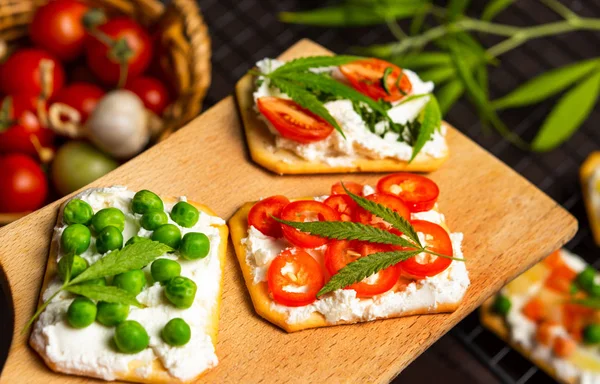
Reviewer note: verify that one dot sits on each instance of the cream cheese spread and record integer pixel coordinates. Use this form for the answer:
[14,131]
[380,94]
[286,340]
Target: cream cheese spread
[89,351]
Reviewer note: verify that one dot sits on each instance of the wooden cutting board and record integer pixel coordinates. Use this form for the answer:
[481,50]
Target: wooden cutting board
[508,224]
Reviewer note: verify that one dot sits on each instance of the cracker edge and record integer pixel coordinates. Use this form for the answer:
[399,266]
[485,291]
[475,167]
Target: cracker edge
[585,172]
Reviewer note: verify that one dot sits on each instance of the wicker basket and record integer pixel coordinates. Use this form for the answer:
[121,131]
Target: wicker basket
[184,41]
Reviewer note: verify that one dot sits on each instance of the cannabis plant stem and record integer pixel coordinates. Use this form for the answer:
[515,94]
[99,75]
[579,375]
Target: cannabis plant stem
[560,9]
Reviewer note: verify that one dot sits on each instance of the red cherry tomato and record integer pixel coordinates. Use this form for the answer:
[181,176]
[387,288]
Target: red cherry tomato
[23,185]
[392,202]
[306,210]
[294,278]
[342,204]
[99,59]
[152,91]
[81,96]
[356,188]
[341,252]
[292,121]
[436,239]
[418,192]
[57,27]
[260,215]
[21,73]
[366,76]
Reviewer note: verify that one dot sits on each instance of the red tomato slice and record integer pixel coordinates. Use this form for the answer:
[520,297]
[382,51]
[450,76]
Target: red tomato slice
[561,278]
[341,252]
[392,202]
[366,76]
[261,212]
[292,121]
[356,188]
[418,192]
[306,210]
[438,241]
[343,204]
[299,286]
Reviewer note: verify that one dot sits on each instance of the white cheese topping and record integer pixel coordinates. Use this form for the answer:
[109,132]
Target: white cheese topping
[89,350]
[447,287]
[360,141]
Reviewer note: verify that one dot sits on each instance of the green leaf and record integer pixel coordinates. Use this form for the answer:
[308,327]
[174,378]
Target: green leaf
[547,84]
[388,215]
[449,94]
[133,256]
[456,8]
[358,270]
[104,293]
[494,7]
[67,265]
[423,60]
[412,97]
[419,19]
[590,302]
[306,100]
[430,121]
[384,79]
[438,75]
[568,114]
[306,63]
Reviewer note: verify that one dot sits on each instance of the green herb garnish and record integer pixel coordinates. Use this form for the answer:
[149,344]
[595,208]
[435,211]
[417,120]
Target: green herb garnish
[384,84]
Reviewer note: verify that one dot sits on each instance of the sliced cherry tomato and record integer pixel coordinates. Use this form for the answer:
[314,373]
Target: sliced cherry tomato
[436,239]
[106,67]
[260,215]
[81,96]
[341,252]
[366,76]
[306,210]
[392,202]
[356,188]
[292,121]
[418,192]
[343,204]
[294,278]
[23,185]
[153,92]
[57,27]
[561,279]
[21,72]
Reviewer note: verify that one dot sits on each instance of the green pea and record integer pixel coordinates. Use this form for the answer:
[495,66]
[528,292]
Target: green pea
[136,239]
[502,305]
[131,337]
[181,292]
[591,334]
[79,265]
[573,288]
[185,214]
[78,211]
[194,245]
[585,278]
[108,216]
[146,201]
[165,269]
[75,239]
[81,312]
[101,281]
[131,281]
[111,314]
[154,219]
[109,239]
[176,332]
[167,234]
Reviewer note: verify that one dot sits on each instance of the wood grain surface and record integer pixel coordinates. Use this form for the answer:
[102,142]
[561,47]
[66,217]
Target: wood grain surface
[508,224]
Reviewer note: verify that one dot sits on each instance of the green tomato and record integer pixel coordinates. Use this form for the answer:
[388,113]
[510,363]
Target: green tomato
[501,305]
[185,214]
[194,245]
[131,281]
[109,239]
[585,278]
[181,292]
[75,239]
[78,211]
[108,216]
[79,265]
[101,281]
[154,219]
[145,201]
[176,332]
[167,234]
[136,239]
[591,334]
[131,337]
[77,164]
[165,269]
[81,312]
[111,314]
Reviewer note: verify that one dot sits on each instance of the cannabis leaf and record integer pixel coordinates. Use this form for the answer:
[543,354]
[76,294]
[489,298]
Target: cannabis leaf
[494,7]
[105,293]
[307,63]
[430,121]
